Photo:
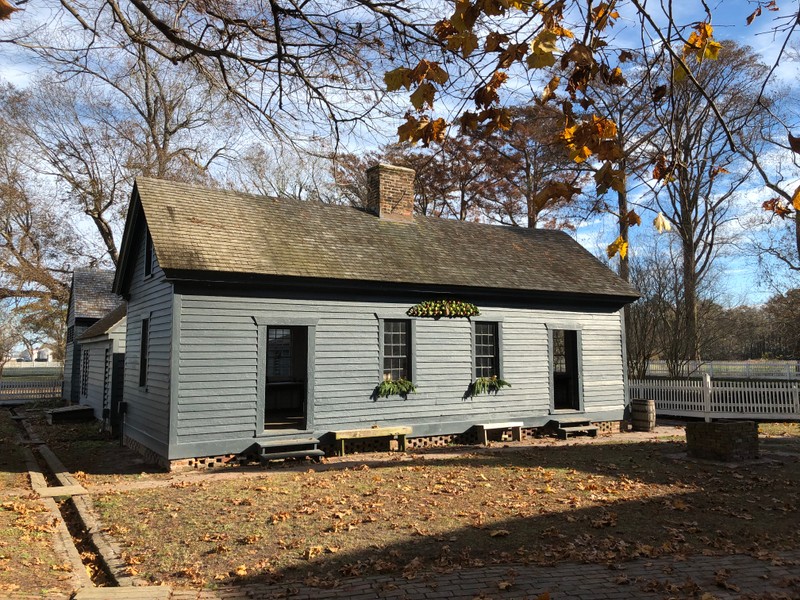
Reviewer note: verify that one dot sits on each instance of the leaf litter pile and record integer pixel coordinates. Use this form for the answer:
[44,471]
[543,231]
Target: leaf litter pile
[603,503]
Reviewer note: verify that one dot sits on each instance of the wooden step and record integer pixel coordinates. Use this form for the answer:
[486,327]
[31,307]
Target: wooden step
[281,442]
[70,414]
[309,453]
[564,431]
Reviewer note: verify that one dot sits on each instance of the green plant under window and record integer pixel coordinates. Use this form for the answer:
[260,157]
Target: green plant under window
[395,387]
[487,385]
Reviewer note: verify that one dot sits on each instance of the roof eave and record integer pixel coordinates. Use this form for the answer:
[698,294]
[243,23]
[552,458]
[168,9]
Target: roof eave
[120,278]
[279,282]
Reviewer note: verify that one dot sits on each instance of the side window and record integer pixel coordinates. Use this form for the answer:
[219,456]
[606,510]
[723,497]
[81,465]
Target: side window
[148,254]
[565,369]
[85,373]
[487,349]
[70,333]
[396,349]
[144,343]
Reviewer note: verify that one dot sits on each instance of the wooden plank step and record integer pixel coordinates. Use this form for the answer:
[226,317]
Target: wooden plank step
[565,431]
[62,490]
[310,453]
[281,442]
[70,414]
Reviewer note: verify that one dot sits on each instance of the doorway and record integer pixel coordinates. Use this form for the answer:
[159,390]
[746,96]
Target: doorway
[285,404]
[566,375]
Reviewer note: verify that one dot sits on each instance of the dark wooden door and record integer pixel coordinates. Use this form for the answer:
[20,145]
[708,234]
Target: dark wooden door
[287,378]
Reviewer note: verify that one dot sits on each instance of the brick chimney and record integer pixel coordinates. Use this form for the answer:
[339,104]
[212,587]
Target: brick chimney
[391,192]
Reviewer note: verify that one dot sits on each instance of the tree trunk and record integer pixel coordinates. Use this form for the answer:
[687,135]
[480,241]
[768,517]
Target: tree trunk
[690,300]
[622,208]
[108,238]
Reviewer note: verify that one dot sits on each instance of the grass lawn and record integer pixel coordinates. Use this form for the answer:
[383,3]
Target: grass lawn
[597,503]
[13,473]
[92,454]
[28,562]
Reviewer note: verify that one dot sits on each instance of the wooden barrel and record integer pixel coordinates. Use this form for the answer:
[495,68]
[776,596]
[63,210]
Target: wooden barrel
[644,414]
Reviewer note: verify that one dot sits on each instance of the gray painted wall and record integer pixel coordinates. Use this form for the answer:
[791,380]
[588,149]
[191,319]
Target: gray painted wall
[147,417]
[114,341]
[218,357]
[96,380]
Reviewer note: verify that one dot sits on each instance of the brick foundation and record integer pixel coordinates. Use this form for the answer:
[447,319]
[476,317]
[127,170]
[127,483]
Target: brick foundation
[149,455]
[378,444]
[722,440]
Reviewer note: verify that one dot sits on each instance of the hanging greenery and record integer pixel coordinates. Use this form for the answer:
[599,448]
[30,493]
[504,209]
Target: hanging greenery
[395,387]
[487,385]
[436,309]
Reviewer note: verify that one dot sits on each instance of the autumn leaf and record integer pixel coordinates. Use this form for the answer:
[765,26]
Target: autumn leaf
[753,15]
[6,10]
[504,585]
[776,206]
[466,41]
[500,533]
[701,43]
[661,223]
[618,246]
[397,78]
[796,199]
[679,73]
[550,88]
[422,130]
[494,40]
[486,95]
[659,92]
[423,96]
[543,49]
[632,218]
[625,56]
[794,143]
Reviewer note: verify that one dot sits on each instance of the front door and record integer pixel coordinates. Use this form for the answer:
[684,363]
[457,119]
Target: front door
[286,384]
[566,375]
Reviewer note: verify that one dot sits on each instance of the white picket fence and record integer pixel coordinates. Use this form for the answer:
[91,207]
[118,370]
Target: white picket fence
[20,389]
[730,369]
[717,399]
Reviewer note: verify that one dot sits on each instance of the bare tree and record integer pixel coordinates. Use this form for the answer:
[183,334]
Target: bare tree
[116,113]
[700,171]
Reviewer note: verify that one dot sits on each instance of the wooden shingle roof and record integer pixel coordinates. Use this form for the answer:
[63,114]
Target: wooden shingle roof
[210,230]
[106,323]
[92,293]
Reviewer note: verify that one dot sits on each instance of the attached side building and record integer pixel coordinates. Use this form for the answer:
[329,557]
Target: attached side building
[90,298]
[252,320]
[102,363]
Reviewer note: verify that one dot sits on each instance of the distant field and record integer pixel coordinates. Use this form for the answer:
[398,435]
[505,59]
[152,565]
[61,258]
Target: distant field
[33,373]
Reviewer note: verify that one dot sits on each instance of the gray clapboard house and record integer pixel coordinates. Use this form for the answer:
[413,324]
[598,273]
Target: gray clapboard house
[258,322]
[102,360]
[90,298]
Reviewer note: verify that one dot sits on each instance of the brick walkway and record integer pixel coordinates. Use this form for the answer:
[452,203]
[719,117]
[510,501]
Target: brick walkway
[704,577]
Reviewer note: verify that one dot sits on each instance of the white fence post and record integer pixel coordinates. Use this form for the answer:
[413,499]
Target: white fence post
[707,397]
[796,397]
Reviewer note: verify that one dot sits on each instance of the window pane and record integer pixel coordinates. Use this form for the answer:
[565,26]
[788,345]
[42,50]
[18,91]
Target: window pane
[279,353]
[396,349]
[486,350]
